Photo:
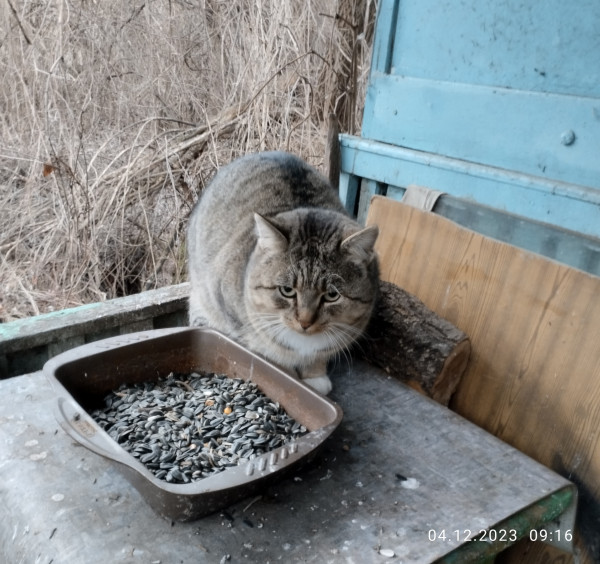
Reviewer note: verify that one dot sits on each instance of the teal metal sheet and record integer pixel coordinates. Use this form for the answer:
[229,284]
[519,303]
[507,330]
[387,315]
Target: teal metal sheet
[497,102]
[569,206]
[550,46]
[554,136]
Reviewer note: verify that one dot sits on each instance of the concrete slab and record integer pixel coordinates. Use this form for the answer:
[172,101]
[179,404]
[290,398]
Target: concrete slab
[398,472]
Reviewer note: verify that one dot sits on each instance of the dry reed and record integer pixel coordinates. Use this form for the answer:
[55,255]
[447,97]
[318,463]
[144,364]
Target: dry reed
[115,114]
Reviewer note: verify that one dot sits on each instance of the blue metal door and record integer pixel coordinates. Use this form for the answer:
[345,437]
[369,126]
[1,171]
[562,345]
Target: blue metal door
[496,102]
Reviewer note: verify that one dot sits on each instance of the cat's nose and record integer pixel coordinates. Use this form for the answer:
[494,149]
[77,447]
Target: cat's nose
[305,314]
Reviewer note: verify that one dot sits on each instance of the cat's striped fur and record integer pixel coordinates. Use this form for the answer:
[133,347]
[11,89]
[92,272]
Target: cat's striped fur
[276,263]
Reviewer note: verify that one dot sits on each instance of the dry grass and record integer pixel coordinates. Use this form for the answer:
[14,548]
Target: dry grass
[115,114]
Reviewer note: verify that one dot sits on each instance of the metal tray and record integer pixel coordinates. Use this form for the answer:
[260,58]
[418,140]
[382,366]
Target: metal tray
[82,377]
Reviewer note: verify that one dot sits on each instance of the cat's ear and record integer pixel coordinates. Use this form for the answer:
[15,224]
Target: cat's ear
[269,237]
[362,242]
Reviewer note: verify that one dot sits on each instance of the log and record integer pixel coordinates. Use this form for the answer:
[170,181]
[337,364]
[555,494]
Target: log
[414,344]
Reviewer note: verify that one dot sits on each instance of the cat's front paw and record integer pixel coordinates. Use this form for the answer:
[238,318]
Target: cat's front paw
[321,384]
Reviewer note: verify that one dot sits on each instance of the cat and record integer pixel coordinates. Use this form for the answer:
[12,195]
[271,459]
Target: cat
[277,264]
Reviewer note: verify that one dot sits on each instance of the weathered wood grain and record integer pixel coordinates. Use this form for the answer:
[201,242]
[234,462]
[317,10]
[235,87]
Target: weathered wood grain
[333,151]
[414,344]
[534,374]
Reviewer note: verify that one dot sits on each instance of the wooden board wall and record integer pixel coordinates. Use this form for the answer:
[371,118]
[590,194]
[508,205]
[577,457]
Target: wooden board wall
[534,375]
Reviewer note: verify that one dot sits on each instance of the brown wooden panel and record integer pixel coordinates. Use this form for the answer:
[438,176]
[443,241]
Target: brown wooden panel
[534,375]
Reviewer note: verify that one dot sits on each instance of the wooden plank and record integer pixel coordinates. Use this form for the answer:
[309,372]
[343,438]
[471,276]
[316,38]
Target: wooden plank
[534,327]
[43,329]
[568,247]
[368,189]
[387,16]
[348,190]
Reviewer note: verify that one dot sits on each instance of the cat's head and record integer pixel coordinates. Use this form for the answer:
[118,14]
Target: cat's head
[312,280]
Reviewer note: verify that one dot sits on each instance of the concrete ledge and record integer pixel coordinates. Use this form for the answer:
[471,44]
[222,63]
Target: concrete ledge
[26,344]
[401,475]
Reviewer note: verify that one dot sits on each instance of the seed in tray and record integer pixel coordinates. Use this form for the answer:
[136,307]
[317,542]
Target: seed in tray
[185,427]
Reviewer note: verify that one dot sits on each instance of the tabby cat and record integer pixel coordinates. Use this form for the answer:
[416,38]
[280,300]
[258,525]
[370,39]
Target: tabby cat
[276,263]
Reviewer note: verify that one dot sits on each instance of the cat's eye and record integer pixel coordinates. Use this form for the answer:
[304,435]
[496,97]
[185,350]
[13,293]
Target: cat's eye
[287,291]
[332,295]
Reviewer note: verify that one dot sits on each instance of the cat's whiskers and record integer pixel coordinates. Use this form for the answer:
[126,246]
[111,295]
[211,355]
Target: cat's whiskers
[335,348]
[342,336]
[347,333]
[268,323]
[358,336]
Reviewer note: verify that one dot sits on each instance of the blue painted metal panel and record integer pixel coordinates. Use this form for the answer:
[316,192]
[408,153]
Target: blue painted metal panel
[511,129]
[566,205]
[543,46]
[375,168]
[493,102]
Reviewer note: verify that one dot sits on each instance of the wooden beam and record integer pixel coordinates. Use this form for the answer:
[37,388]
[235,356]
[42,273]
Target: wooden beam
[415,345]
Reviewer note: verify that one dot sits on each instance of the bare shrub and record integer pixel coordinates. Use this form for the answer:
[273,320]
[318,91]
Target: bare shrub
[115,114]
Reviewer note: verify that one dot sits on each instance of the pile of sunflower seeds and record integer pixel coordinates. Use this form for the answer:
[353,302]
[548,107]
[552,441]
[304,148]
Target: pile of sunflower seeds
[185,427]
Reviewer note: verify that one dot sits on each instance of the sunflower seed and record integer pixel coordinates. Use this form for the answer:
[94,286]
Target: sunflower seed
[185,427]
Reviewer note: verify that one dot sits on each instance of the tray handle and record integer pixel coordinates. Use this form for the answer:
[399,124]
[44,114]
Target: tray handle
[81,428]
